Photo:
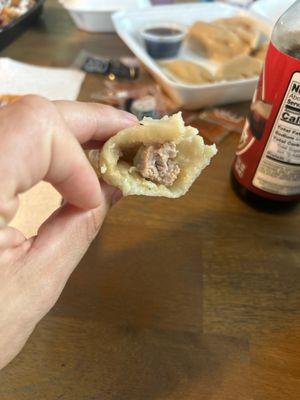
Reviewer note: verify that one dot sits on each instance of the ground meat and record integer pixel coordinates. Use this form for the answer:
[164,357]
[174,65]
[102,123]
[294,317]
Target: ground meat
[156,163]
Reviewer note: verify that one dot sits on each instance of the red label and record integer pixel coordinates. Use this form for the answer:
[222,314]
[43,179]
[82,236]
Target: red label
[268,156]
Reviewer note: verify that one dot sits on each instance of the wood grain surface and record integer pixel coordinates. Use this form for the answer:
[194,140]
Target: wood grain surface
[195,298]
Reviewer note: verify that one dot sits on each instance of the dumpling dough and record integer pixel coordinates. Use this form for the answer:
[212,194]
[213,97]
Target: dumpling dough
[156,158]
[188,72]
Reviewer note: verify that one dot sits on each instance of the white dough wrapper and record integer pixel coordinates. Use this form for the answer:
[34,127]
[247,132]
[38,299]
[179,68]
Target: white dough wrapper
[114,163]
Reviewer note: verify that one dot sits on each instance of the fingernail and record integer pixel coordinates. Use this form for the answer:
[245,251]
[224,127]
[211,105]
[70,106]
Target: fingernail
[130,116]
[116,197]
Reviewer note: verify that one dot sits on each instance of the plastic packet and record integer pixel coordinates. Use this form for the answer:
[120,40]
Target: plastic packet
[143,97]
[215,124]
[127,68]
[125,85]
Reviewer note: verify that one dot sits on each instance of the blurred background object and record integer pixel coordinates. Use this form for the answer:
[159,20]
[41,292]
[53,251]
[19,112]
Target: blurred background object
[95,15]
[198,77]
[17,16]
[271,9]
[160,2]
[240,3]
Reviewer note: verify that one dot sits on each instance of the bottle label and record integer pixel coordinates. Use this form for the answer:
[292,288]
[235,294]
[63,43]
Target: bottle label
[268,156]
[279,168]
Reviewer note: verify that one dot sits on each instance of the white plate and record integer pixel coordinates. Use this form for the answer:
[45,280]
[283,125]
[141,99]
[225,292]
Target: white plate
[271,9]
[128,24]
[95,15]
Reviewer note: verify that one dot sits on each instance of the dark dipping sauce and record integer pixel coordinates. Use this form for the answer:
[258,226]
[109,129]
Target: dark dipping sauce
[163,42]
[163,31]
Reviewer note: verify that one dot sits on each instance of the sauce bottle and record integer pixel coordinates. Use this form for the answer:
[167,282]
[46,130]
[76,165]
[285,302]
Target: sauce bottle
[266,169]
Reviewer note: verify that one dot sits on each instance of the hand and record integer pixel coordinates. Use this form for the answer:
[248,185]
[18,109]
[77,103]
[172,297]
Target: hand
[40,140]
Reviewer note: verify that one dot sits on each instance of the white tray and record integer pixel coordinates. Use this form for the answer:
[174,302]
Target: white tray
[128,24]
[271,9]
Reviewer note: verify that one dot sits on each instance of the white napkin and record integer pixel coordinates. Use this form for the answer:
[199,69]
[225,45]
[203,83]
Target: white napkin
[54,83]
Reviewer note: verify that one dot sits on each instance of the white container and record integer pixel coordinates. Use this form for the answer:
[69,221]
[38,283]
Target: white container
[240,3]
[95,15]
[271,9]
[129,23]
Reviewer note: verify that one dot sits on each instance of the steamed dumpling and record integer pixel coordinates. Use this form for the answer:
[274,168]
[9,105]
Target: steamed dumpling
[156,158]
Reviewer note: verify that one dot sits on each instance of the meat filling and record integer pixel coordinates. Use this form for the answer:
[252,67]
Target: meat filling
[157,163]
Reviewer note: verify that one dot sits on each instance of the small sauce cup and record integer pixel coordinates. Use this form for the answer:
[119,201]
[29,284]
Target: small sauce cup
[163,40]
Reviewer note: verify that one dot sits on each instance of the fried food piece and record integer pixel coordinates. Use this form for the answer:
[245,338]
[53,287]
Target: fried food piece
[243,27]
[216,42]
[188,72]
[239,68]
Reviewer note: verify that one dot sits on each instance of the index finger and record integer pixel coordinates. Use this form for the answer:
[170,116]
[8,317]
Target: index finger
[39,140]
[92,121]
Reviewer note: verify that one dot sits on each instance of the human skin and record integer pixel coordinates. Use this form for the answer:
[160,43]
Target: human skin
[41,140]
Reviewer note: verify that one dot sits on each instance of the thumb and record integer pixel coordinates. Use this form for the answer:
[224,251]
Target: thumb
[65,237]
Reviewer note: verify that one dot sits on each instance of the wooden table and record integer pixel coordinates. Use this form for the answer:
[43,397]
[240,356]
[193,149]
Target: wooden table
[197,298]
